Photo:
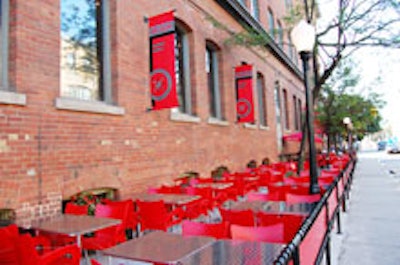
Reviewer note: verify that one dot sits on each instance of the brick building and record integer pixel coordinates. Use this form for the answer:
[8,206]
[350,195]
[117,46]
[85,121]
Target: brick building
[75,92]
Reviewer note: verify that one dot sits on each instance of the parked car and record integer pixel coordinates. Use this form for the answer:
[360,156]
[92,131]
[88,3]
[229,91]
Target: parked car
[381,145]
[394,150]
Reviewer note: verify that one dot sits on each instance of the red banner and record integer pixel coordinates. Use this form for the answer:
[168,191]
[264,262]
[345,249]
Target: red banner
[162,61]
[244,93]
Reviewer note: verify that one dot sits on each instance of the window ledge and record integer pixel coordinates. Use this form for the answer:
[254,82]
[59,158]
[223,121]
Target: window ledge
[12,98]
[183,117]
[216,121]
[264,128]
[88,106]
[250,126]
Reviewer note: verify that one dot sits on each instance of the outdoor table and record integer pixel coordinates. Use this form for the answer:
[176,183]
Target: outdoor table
[234,252]
[215,185]
[172,199]
[158,247]
[273,207]
[72,225]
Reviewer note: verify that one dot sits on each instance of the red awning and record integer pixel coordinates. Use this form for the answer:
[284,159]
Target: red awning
[297,136]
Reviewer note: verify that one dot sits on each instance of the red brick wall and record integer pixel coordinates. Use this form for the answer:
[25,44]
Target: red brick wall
[47,154]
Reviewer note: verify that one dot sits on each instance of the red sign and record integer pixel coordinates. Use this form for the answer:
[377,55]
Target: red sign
[244,92]
[162,61]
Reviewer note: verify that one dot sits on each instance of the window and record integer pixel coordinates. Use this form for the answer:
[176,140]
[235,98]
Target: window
[295,114]
[288,5]
[182,68]
[85,49]
[212,70]
[4,13]
[290,48]
[299,112]
[261,100]
[280,35]
[271,23]
[255,9]
[286,109]
[243,2]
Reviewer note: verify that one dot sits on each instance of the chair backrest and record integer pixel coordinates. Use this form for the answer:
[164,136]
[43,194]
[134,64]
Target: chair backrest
[292,222]
[292,198]
[271,196]
[217,230]
[152,215]
[115,212]
[272,233]
[9,245]
[257,196]
[72,208]
[129,220]
[242,217]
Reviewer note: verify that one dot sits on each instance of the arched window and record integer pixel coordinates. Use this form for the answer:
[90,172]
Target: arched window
[212,71]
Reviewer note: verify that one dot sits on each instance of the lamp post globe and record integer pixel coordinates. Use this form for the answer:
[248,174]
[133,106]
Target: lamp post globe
[303,38]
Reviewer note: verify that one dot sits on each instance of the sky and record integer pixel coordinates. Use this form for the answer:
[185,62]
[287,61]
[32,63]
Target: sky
[371,64]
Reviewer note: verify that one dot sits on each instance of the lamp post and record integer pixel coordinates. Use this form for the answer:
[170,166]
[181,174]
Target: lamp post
[349,126]
[303,38]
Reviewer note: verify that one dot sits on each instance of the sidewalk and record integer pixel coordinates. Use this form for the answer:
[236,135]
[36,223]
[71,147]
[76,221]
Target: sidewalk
[371,225]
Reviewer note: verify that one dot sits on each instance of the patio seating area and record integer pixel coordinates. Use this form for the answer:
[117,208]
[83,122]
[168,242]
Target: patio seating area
[263,215]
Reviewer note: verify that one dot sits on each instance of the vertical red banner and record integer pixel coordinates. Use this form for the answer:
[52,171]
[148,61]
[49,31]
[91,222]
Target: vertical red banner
[244,93]
[162,61]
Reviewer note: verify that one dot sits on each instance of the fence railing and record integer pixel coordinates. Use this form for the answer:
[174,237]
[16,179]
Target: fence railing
[312,240]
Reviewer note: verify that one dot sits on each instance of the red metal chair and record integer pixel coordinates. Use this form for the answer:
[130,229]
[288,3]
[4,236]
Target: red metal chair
[94,262]
[272,233]
[292,198]
[292,222]
[271,196]
[155,215]
[217,230]
[242,217]
[130,219]
[16,249]
[111,236]
[72,208]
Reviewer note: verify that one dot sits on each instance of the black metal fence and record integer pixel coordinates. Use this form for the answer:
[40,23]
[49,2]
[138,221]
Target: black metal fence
[312,241]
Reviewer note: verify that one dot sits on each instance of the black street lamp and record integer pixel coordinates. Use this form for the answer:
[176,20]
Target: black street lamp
[303,38]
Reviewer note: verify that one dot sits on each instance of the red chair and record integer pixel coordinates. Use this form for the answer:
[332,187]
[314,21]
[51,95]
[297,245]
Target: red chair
[292,198]
[111,236]
[217,230]
[130,218]
[94,262]
[243,217]
[292,222]
[273,196]
[72,208]
[271,234]
[16,249]
[155,215]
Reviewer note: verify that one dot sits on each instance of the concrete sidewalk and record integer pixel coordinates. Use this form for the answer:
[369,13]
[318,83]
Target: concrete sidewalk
[371,225]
